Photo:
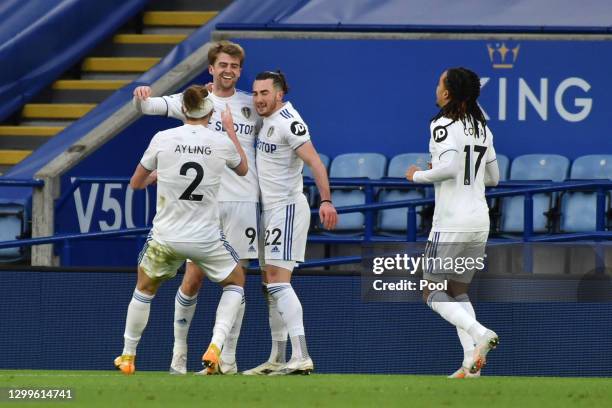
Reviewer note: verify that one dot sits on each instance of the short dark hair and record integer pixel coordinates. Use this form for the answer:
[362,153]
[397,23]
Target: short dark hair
[277,77]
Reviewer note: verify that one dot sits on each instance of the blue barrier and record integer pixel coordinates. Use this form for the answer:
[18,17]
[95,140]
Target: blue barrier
[513,188]
[46,313]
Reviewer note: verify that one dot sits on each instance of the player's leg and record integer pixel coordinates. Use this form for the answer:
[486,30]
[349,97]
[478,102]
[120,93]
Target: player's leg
[185,303]
[285,246]
[157,263]
[240,222]
[220,263]
[278,275]
[232,300]
[458,291]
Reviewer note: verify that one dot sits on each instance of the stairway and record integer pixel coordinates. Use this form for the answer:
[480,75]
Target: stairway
[134,49]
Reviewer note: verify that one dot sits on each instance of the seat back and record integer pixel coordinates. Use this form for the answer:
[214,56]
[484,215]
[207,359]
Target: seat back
[400,163]
[592,166]
[539,167]
[371,165]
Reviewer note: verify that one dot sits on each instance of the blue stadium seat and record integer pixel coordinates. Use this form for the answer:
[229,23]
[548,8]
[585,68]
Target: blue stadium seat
[371,165]
[504,164]
[579,209]
[593,166]
[395,220]
[11,228]
[532,167]
[400,163]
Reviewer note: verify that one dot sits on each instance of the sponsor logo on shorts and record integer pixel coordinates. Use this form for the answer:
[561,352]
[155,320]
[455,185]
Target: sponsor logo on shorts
[251,248]
[275,249]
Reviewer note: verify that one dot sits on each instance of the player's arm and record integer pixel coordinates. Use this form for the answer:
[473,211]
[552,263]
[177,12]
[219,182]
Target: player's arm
[228,124]
[142,177]
[157,106]
[327,211]
[146,171]
[448,167]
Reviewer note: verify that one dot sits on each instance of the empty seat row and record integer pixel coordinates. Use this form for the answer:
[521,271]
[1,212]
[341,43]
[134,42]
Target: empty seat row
[573,211]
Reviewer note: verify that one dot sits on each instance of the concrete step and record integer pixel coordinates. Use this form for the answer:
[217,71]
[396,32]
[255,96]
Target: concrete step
[55,110]
[161,5]
[30,130]
[12,157]
[139,45]
[79,91]
[178,18]
[120,64]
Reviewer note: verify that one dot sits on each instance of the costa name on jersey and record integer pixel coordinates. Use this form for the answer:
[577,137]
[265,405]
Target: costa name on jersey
[233,187]
[460,202]
[190,161]
[279,168]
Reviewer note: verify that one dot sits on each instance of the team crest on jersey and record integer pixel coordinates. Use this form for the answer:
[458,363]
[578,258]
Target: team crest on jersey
[246,112]
[270,131]
[298,129]
[440,134]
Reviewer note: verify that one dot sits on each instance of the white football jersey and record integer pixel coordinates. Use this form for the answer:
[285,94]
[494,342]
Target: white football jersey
[279,168]
[190,161]
[460,202]
[233,187]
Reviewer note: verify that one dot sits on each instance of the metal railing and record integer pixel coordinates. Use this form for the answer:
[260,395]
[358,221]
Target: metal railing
[527,189]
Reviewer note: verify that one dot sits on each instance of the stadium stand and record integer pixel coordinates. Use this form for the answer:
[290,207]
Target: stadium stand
[351,165]
[81,198]
[534,167]
[579,209]
[396,220]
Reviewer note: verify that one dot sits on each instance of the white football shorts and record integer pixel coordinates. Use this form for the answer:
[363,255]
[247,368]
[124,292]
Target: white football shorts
[161,259]
[285,230]
[240,223]
[454,256]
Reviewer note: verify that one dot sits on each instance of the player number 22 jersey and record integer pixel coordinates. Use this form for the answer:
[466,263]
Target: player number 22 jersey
[279,168]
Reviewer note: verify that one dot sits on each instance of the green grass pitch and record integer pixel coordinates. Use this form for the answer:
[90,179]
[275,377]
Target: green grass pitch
[156,389]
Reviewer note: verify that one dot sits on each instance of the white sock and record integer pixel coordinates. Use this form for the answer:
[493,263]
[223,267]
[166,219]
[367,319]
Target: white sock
[454,313]
[230,302]
[228,354]
[467,342]
[278,330]
[290,309]
[136,320]
[184,308]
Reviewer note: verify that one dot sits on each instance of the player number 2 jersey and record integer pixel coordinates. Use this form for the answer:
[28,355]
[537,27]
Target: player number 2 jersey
[279,168]
[233,187]
[190,161]
[460,202]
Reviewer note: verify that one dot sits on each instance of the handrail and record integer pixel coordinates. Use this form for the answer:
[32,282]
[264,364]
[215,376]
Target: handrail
[506,189]
[10,182]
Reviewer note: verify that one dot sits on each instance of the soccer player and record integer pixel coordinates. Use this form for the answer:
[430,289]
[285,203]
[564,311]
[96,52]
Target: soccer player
[463,163]
[283,146]
[190,161]
[238,196]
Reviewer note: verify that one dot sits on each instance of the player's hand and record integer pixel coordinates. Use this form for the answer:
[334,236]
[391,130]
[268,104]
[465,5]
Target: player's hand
[328,216]
[142,92]
[152,178]
[226,118]
[209,87]
[410,172]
